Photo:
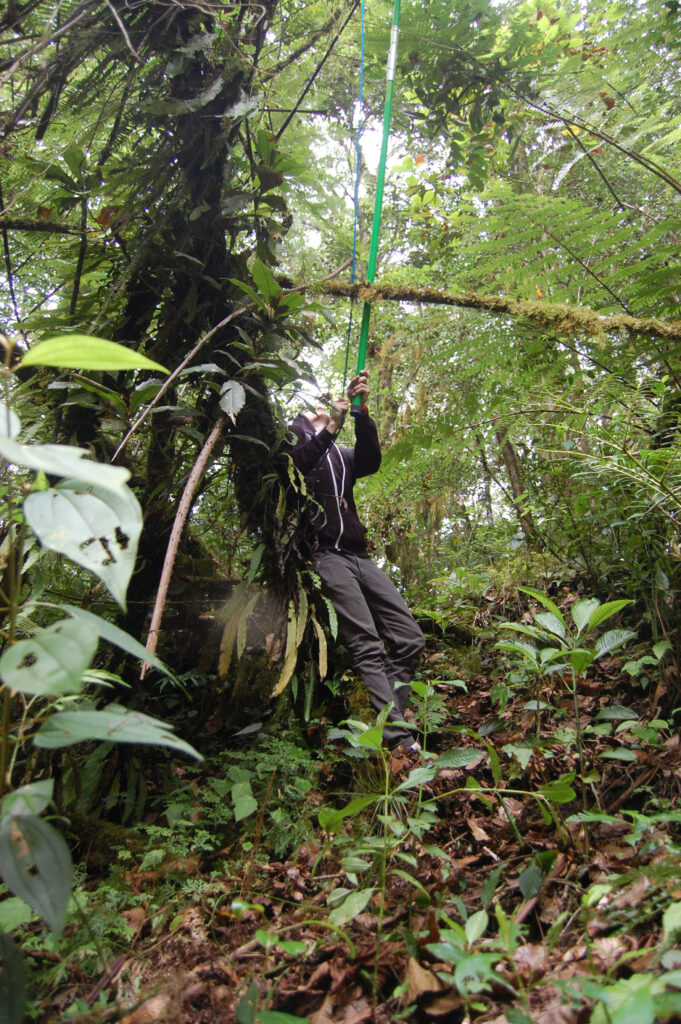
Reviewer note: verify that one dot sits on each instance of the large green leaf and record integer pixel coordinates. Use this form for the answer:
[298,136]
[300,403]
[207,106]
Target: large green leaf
[247,1005]
[83,352]
[617,713]
[526,652]
[265,281]
[243,800]
[52,662]
[63,460]
[581,658]
[12,983]
[113,724]
[559,791]
[31,799]
[446,951]
[476,926]
[529,881]
[13,913]
[475,973]
[605,611]
[582,611]
[613,639]
[458,757]
[372,737]
[331,819]
[9,421]
[417,777]
[116,636]
[351,906]
[671,922]
[538,595]
[232,398]
[619,754]
[96,528]
[629,1001]
[551,622]
[36,865]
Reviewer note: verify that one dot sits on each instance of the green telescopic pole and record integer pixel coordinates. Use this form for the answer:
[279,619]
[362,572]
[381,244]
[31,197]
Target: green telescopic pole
[380,181]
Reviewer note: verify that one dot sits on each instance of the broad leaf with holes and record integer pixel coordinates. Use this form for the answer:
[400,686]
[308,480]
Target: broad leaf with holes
[36,865]
[51,663]
[95,527]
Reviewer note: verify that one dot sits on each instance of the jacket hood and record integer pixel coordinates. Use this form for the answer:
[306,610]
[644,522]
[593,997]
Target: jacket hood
[302,427]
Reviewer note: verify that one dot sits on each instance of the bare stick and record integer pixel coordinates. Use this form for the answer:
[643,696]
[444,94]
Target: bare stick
[174,542]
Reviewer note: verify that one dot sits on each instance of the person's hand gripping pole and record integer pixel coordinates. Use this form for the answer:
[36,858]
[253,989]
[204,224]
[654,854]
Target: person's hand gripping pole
[358,392]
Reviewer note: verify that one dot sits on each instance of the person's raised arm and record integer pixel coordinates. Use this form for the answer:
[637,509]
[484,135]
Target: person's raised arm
[367,452]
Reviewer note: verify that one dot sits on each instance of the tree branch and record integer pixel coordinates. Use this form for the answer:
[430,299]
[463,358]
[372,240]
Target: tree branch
[558,317]
[46,226]
[178,369]
[596,166]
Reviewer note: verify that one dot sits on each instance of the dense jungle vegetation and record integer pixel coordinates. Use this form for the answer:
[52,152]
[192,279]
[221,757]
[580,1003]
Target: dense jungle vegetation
[219,835]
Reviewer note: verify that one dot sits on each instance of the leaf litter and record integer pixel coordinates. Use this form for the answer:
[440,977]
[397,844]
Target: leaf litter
[566,905]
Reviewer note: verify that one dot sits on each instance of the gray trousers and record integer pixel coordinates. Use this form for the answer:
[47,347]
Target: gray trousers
[382,636]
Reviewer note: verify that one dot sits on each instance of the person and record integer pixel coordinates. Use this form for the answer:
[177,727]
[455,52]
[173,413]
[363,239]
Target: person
[382,636]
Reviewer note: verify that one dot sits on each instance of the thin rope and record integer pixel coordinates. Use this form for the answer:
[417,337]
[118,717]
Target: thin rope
[358,158]
[316,71]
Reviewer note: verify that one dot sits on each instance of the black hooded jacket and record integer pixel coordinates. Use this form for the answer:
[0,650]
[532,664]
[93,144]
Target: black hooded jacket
[331,473]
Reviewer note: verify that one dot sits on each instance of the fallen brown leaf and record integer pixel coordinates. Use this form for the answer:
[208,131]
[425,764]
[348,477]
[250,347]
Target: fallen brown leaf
[135,918]
[608,949]
[420,981]
[443,1005]
[531,961]
[163,1007]
[325,1013]
[478,833]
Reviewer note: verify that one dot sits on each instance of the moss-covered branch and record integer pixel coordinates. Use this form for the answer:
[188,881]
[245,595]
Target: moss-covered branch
[557,317]
[45,226]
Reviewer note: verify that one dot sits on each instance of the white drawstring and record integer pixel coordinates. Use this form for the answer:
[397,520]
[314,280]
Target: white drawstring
[336,493]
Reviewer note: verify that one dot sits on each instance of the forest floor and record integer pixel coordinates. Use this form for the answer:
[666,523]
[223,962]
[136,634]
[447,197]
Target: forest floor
[492,884]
